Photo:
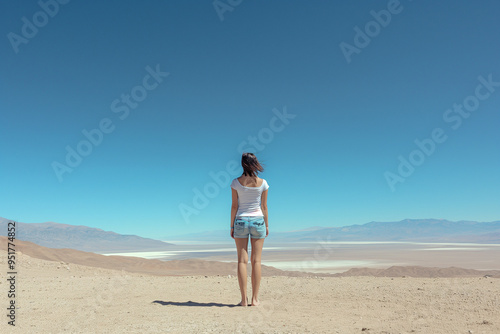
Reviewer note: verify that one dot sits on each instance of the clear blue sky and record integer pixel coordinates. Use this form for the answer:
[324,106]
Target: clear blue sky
[356,112]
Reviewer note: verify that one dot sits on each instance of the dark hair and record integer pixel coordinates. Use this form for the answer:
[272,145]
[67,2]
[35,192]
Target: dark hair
[250,164]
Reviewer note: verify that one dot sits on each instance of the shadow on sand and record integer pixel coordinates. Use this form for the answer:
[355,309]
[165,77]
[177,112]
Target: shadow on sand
[191,303]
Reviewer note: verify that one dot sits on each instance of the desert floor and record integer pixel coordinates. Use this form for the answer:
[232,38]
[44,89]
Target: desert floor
[54,297]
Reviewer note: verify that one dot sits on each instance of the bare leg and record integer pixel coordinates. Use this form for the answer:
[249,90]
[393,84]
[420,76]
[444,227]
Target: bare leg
[242,247]
[257,245]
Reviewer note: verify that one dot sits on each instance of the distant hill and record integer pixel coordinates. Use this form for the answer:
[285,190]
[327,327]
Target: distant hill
[82,238]
[417,230]
[419,271]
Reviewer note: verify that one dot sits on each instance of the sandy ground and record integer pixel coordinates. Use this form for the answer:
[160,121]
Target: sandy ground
[54,297]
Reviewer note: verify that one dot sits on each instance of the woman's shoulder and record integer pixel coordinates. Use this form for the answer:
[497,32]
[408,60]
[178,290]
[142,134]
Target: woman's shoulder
[262,182]
[234,183]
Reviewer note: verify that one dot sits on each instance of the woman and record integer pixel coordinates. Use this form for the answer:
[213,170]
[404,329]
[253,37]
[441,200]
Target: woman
[249,217]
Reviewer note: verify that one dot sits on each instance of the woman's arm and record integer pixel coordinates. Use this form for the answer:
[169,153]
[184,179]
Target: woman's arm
[234,206]
[263,206]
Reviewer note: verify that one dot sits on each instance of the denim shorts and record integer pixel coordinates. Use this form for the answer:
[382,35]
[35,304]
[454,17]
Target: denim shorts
[245,226]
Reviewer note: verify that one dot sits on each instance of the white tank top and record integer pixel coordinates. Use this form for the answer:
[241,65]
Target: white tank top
[249,198]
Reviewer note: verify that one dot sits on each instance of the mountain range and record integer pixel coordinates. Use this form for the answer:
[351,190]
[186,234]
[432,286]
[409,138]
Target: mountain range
[415,230]
[91,239]
[81,237]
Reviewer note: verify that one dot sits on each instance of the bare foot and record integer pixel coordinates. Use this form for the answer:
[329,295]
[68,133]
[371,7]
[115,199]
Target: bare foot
[255,302]
[243,303]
